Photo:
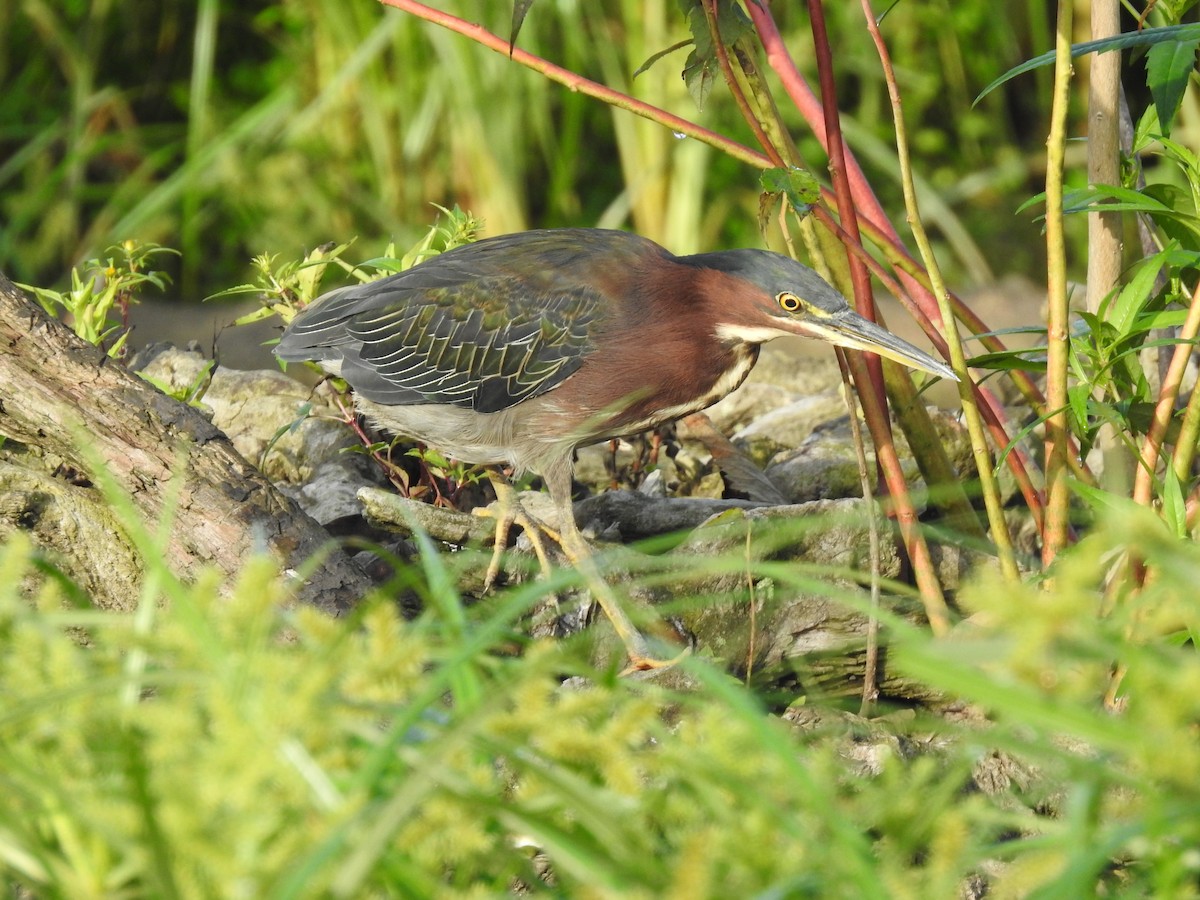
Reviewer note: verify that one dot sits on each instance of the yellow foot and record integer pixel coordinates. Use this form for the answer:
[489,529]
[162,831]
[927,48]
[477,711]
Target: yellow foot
[640,663]
[509,512]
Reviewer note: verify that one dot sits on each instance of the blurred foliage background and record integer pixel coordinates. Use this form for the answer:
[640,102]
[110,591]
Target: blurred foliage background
[228,130]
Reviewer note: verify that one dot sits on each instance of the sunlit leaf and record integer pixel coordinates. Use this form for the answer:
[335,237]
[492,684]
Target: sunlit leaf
[1147,37]
[655,57]
[1169,65]
[1135,295]
[520,8]
[796,184]
[1174,506]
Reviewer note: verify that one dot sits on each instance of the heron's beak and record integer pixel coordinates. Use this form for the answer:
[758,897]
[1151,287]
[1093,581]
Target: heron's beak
[849,329]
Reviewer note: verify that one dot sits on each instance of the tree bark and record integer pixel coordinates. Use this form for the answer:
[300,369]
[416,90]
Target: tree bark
[57,390]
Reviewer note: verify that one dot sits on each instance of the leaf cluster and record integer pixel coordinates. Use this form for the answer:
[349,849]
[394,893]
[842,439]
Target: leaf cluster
[97,303]
[214,743]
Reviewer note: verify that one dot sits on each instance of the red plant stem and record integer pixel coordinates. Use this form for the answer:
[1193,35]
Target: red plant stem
[735,89]
[868,205]
[864,300]
[873,221]
[993,412]
[880,228]
[867,368]
[578,83]
[888,461]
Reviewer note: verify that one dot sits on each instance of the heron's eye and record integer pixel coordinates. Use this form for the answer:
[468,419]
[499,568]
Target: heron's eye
[790,302]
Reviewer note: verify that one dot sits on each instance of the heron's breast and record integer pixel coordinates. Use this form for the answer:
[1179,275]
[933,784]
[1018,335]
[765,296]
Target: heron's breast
[625,394]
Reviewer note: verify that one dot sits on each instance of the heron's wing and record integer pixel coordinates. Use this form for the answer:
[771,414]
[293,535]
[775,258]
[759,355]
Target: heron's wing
[483,345]
[482,327]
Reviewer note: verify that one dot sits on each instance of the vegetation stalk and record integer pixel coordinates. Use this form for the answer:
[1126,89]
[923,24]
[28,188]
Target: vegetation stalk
[868,371]
[1058,473]
[974,421]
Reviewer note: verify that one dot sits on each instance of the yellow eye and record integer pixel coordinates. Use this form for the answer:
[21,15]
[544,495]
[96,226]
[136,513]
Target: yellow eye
[790,302]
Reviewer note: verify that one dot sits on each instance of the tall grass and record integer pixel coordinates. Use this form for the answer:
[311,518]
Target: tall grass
[229,132]
[214,744]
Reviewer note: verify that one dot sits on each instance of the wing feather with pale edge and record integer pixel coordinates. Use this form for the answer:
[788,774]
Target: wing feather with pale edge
[482,327]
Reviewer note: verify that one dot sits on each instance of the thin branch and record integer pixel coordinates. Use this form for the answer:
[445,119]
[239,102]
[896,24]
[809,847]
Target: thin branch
[1165,407]
[582,85]
[979,443]
[1057,330]
[1105,243]
[735,89]
[867,368]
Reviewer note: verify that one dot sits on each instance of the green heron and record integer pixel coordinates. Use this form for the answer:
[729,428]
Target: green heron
[518,349]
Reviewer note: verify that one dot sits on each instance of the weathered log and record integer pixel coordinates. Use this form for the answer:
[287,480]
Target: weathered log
[754,625]
[623,515]
[57,390]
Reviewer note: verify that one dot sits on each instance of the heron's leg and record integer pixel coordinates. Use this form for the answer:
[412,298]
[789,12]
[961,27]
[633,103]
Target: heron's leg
[509,512]
[580,555]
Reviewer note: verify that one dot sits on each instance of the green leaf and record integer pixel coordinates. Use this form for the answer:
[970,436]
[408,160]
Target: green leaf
[1171,318]
[1146,131]
[655,57]
[308,274]
[1077,399]
[430,457]
[1168,67]
[1167,204]
[520,8]
[1184,156]
[702,65]
[1100,499]
[1135,295]
[1178,258]
[263,312]
[1147,37]
[1010,360]
[1111,198]
[698,73]
[1003,332]
[1174,505]
[798,185]
[384,264]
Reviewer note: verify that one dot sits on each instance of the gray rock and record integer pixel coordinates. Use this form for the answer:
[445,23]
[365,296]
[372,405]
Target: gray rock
[264,413]
[823,467]
[331,495]
[787,427]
